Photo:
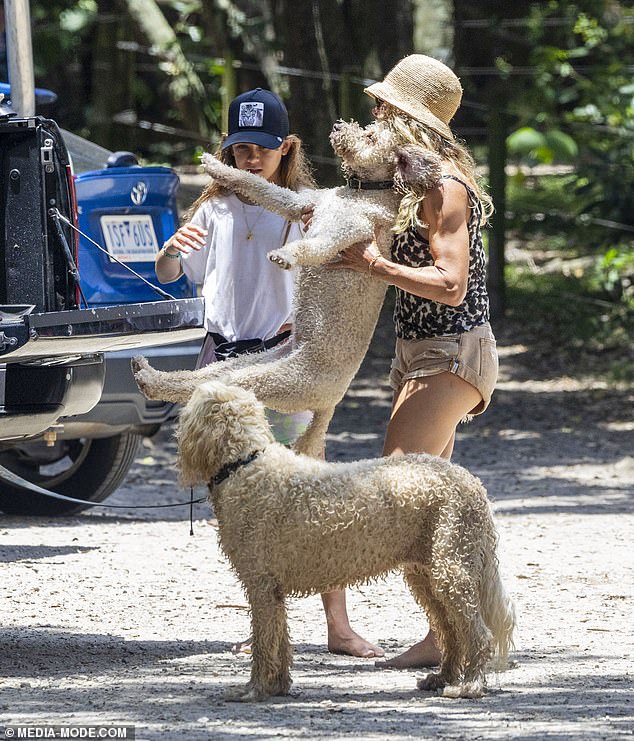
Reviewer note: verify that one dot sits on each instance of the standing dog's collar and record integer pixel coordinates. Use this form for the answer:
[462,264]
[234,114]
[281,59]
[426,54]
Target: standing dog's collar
[227,470]
[357,184]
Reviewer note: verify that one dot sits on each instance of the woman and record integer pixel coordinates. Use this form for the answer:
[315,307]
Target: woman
[445,364]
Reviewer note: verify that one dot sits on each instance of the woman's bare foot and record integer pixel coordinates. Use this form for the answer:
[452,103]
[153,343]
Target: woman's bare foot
[421,655]
[341,638]
[352,644]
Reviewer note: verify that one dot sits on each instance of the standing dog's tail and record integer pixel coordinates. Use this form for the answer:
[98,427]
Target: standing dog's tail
[498,611]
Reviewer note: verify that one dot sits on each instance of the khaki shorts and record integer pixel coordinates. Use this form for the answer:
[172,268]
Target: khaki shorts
[472,356]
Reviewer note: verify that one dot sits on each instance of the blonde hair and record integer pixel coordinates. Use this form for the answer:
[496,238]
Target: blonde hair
[410,131]
[295,172]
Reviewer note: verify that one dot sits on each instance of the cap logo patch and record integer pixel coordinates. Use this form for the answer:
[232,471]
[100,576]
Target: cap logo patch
[251,114]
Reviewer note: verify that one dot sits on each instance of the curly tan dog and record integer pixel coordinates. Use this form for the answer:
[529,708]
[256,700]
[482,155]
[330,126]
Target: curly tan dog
[293,525]
[335,311]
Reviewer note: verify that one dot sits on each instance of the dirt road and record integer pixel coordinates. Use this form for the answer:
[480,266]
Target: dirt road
[120,616]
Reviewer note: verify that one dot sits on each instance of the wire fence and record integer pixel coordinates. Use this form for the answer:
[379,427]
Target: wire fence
[202,64]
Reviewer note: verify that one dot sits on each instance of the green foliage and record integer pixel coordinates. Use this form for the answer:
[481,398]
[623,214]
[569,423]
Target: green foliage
[534,147]
[525,141]
[548,205]
[614,274]
[567,320]
[560,146]
[577,226]
[577,302]
[583,90]
[109,78]
[58,28]
[78,18]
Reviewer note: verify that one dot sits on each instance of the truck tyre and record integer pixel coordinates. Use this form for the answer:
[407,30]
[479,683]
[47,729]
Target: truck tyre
[83,469]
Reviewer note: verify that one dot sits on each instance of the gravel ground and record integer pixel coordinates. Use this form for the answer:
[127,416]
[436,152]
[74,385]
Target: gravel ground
[121,616]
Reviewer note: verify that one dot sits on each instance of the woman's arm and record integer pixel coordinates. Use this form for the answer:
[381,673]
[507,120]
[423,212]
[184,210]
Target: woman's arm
[446,210]
[187,239]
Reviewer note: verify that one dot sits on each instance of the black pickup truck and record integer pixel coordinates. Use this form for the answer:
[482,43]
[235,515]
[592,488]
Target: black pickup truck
[70,416]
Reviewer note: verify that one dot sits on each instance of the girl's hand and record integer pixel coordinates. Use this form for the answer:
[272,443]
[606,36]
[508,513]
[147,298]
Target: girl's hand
[361,257]
[187,239]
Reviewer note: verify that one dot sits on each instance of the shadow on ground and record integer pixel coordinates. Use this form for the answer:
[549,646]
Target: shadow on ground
[138,685]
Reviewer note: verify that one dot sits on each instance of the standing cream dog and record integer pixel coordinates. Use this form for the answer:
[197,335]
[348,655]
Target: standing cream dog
[293,525]
[335,311]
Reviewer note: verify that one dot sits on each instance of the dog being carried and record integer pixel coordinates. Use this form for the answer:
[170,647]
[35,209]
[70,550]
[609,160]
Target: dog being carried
[335,311]
[294,525]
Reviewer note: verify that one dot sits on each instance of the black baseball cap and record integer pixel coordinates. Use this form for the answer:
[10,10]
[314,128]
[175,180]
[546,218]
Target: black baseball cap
[257,117]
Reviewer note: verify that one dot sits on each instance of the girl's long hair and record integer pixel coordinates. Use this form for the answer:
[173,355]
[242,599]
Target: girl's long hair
[295,172]
[409,131]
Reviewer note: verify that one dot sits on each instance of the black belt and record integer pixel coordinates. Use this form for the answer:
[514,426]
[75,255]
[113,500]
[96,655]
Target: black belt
[224,349]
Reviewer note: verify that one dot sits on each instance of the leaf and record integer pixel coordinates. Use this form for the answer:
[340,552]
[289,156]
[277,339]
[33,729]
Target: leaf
[563,146]
[544,154]
[525,141]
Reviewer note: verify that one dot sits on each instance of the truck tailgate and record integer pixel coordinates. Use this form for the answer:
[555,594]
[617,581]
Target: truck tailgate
[35,336]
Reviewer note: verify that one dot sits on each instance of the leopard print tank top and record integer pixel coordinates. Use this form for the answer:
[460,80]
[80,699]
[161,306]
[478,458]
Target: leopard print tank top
[417,318]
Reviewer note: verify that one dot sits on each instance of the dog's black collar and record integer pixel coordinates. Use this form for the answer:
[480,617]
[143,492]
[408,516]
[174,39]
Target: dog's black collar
[357,184]
[227,470]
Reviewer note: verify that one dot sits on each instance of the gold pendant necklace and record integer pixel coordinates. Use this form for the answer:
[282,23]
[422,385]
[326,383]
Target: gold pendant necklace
[250,227]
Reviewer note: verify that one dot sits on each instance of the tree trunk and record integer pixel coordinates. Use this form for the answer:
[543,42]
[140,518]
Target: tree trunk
[480,42]
[332,42]
[186,89]
[108,64]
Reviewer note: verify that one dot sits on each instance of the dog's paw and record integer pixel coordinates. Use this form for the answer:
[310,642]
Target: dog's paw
[431,682]
[138,363]
[147,379]
[258,693]
[213,165]
[246,693]
[282,258]
[467,690]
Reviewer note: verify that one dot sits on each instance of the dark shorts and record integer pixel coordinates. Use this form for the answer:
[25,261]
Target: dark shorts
[286,428]
[471,355]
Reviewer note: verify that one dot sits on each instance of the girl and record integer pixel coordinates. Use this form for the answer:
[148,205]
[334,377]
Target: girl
[248,300]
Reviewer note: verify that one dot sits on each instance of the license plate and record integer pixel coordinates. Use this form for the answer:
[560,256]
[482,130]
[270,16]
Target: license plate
[130,238]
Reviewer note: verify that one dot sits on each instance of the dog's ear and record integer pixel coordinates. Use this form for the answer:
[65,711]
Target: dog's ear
[220,424]
[417,169]
[200,435]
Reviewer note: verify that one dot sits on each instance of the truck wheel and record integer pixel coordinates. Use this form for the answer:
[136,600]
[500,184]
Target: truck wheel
[83,469]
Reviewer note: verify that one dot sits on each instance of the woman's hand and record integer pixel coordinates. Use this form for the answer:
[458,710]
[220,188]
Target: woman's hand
[361,257]
[307,216]
[187,239]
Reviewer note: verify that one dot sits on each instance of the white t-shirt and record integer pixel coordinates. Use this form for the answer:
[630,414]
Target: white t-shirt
[246,295]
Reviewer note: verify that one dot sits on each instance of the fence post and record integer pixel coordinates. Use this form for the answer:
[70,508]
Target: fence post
[20,56]
[345,105]
[497,133]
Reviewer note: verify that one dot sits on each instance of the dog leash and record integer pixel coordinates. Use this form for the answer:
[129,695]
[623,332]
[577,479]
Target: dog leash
[23,484]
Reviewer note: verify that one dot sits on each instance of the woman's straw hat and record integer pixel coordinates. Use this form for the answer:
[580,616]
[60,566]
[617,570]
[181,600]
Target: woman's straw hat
[423,88]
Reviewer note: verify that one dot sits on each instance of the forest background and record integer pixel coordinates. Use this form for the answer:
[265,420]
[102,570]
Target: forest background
[548,111]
